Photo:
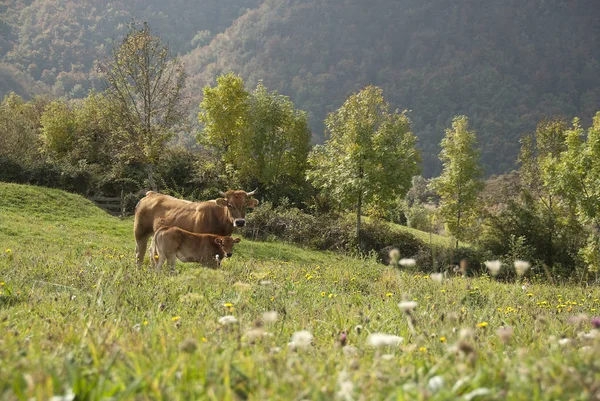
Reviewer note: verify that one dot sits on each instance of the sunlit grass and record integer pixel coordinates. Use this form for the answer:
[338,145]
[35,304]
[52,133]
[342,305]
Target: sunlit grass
[77,314]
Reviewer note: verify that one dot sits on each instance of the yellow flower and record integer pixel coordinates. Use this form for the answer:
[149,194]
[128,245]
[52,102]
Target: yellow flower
[482,324]
[330,295]
[228,304]
[422,349]
[309,276]
[529,294]
[442,290]
[443,339]
[145,323]
[389,294]
[353,279]
[2,283]
[8,251]
[425,277]
[175,318]
[204,340]
[322,293]
[272,298]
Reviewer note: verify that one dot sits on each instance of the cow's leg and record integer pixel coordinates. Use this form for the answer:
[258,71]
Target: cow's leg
[141,233]
[161,261]
[152,254]
[172,260]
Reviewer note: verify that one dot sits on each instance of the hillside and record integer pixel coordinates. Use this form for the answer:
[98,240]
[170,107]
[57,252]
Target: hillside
[81,319]
[503,64]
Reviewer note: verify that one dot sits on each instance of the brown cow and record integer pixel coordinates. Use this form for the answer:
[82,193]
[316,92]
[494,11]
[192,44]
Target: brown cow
[217,216]
[170,243]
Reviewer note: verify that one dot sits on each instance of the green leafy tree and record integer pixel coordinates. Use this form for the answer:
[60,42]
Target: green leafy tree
[575,174]
[460,182]
[370,155]
[145,91]
[262,138]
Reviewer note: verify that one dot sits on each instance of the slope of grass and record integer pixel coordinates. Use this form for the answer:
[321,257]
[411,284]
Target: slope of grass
[77,315]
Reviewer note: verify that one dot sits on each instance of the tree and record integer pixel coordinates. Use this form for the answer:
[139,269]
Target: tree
[460,182]
[262,138]
[145,88]
[575,174]
[546,143]
[370,155]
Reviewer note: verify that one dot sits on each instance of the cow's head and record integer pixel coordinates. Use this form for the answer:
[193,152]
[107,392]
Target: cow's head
[236,203]
[225,245]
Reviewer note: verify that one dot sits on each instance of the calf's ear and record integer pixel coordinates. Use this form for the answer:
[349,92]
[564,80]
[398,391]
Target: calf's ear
[222,202]
[252,203]
[218,241]
[236,240]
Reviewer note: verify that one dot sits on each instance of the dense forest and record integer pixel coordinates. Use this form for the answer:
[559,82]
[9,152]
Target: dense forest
[504,65]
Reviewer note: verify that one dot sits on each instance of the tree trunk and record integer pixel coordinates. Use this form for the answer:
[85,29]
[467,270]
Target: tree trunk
[457,227]
[150,172]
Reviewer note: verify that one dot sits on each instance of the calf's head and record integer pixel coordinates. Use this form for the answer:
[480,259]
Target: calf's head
[236,203]
[225,245]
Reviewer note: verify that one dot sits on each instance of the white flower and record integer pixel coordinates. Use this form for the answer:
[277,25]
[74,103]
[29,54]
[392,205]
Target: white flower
[564,341]
[301,339]
[521,267]
[270,317]
[437,277]
[225,320]
[407,262]
[435,384]
[381,339]
[493,266]
[477,393]
[346,387]
[407,305]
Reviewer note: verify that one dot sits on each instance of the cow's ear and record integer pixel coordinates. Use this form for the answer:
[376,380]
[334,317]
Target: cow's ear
[252,203]
[222,202]
[218,241]
[236,240]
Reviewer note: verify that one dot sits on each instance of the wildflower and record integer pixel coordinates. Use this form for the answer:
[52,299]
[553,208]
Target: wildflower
[437,277]
[435,383]
[389,294]
[407,306]
[521,267]
[2,284]
[394,256]
[407,262]
[188,346]
[358,329]
[322,293]
[270,317]
[228,304]
[301,339]
[175,318]
[505,334]
[204,340]
[346,387]
[145,323]
[493,266]
[225,320]
[381,340]
[529,294]
[8,251]
[596,322]
[443,339]
[482,324]
[343,338]
[476,393]
[564,341]
[422,349]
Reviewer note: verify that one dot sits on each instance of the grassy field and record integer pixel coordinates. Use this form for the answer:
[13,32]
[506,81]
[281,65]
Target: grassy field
[78,317]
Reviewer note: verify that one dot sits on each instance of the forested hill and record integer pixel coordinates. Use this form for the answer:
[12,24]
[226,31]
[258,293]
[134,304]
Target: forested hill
[504,64]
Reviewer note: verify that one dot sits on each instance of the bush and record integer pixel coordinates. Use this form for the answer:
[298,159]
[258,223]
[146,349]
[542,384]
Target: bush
[326,232]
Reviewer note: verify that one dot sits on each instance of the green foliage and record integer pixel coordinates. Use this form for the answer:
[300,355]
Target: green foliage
[370,155]
[145,94]
[58,128]
[460,182]
[263,139]
[575,174]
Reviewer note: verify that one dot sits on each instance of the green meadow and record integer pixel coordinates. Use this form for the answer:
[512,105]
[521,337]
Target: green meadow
[80,321]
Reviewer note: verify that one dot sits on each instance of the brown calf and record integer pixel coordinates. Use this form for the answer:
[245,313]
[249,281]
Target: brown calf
[170,243]
[218,216]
